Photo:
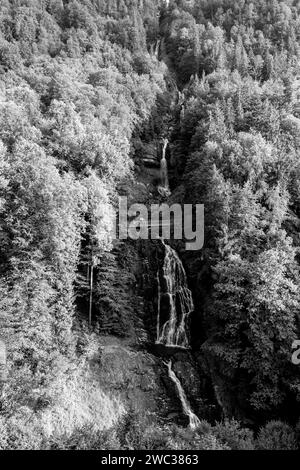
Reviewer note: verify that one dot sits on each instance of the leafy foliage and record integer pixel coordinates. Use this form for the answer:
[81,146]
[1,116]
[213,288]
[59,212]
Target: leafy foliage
[84,87]
[239,147]
[76,81]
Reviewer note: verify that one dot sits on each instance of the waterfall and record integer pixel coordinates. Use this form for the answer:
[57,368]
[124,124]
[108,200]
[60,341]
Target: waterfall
[164,188]
[193,419]
[154,49]
[173,293]
[157,46]
[164,167]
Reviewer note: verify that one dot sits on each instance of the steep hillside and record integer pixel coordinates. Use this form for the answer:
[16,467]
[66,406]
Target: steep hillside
[140,344]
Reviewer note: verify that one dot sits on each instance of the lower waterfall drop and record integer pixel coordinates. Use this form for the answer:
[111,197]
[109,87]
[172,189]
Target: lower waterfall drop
[175,291]
[193,419]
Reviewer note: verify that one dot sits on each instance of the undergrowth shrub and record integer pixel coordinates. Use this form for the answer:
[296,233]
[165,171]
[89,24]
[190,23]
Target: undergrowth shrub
[85,438]
[233,435]
[276,435]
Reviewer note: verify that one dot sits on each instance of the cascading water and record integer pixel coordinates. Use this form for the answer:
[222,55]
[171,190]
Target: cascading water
[157,46]
[174,301]
[154,49]
[193,419]
[164,188]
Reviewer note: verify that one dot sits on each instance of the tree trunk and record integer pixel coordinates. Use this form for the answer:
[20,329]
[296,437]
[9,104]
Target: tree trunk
[91,296]
[3,370]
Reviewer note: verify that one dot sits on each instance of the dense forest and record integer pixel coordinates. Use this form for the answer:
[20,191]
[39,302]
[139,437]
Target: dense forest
[89,91]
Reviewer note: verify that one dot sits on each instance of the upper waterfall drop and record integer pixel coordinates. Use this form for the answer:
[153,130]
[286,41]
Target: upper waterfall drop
[175,301]
[164,188]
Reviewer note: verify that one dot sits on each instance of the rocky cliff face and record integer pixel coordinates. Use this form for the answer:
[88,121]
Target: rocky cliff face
[129,363]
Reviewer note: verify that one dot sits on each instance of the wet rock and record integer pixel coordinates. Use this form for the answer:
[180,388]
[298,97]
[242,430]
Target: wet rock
[150,154]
